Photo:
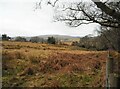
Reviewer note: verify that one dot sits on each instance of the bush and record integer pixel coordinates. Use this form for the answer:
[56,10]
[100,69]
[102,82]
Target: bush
[75,43]
[5,37]
[51,40]
[21,39]
[36,40]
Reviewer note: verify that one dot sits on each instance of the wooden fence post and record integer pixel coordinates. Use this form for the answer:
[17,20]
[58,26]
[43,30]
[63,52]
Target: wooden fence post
[112,77]
[109,70]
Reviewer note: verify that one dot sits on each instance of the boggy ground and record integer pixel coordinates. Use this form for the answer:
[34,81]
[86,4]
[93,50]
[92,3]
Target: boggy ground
[26,64]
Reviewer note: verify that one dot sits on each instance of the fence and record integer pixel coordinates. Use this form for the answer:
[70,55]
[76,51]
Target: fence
[112,72]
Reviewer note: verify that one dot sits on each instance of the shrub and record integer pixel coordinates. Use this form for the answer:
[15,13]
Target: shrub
[51,40]
[5,37]
[36,40]
[21,39]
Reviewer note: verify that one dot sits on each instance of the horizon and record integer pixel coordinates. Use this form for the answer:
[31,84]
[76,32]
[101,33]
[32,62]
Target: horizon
[46,35]
[39,35]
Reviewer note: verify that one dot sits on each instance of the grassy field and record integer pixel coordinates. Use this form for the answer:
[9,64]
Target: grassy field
[26,64]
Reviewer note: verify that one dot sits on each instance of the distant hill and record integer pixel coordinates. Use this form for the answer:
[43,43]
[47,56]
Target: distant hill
[58,37]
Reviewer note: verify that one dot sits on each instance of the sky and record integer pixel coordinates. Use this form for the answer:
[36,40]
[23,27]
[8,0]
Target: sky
[19,18]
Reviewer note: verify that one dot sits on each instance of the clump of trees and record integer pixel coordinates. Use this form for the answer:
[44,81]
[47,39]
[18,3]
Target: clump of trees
[111,37]
[92,43]
[5,37]
[51,40]
[37,39]
[107,38]
[21,39]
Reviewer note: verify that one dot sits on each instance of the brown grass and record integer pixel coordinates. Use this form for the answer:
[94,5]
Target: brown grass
[40,65]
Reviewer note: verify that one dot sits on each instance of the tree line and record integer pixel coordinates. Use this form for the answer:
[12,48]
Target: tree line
[103,41]
[107,38]
[36,39]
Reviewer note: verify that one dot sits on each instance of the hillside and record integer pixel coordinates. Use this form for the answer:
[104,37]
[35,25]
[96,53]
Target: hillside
[62,37]
[58,37]
[27,64]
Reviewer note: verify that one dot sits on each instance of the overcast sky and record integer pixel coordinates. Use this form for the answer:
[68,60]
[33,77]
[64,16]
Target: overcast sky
[18,18]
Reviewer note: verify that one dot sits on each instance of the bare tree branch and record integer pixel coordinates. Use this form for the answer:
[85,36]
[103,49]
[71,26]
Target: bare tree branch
[97,12]
[53,5]
[107,10]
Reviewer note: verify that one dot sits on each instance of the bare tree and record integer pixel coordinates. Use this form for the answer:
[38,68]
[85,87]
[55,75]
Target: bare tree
[84,12]
[77,12]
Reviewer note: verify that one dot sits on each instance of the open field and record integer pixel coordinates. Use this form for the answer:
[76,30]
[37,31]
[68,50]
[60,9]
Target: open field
[28,64]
